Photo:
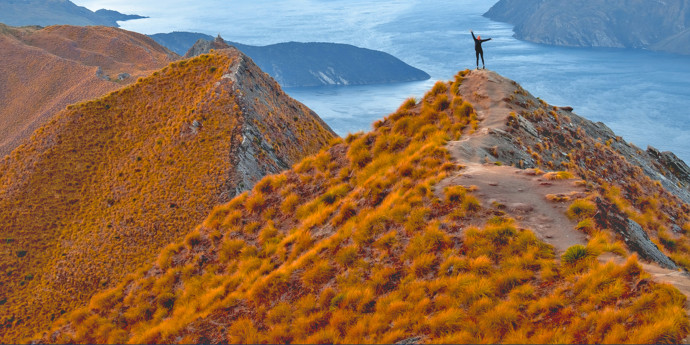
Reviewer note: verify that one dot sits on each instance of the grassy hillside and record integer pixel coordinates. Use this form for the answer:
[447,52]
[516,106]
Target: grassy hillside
[42,70]
[357,244]
[100,189]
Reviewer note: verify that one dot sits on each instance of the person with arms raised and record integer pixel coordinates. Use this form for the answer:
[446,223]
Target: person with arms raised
[478,48]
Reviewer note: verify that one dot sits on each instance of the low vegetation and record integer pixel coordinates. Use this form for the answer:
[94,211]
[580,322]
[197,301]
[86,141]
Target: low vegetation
[356,245]
[596,156]
[108,183]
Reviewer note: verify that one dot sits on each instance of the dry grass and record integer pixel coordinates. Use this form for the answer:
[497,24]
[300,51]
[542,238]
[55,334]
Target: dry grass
[40,61]
[397,266]
[110,182]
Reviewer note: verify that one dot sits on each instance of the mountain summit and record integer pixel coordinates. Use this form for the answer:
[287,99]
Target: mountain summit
[477,214]
[107,183]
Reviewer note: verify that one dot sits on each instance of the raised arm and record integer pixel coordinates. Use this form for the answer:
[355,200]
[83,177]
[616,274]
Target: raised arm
[472,32]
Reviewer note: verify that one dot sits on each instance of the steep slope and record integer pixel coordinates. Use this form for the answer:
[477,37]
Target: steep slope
[657,25]
[295,64]
[107,183]
[56,12]
[400,234]
[44,70]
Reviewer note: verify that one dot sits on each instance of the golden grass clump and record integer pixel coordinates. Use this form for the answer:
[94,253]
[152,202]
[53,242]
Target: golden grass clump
[581,208]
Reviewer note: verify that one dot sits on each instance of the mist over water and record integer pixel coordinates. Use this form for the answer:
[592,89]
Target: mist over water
[643,96]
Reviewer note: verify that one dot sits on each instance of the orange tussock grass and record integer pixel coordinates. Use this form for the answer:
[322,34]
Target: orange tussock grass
[397,267]
[112,181]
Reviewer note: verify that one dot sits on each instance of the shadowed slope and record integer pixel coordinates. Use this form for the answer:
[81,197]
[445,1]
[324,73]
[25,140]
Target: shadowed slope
[107,183]
[44,70]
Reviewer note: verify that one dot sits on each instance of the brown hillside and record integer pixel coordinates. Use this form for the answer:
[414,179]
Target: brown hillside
[410,233]
[101,188]
[42,70]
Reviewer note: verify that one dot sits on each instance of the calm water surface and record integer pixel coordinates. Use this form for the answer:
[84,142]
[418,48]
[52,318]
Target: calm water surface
[643,96]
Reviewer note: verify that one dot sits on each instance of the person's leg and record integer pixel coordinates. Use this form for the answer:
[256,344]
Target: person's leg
[483,64]
[476,52]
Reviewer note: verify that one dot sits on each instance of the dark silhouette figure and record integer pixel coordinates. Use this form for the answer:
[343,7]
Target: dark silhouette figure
[478,48]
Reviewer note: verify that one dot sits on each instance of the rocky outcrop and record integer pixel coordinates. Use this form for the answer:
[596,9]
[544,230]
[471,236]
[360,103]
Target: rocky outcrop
[203,46]
[609,216]
[295,64]
[656,25]
[669,160]
[179,41]
[257,154]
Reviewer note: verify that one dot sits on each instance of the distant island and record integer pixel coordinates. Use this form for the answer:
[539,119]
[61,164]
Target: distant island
[296,64]
[653,25]
[56,12]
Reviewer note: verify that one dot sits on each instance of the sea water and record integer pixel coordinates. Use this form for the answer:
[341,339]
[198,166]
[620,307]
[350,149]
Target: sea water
[643,96]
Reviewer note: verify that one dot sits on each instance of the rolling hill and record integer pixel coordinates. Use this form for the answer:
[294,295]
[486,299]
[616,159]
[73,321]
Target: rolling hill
[477,214]
[42,70]
[103,186]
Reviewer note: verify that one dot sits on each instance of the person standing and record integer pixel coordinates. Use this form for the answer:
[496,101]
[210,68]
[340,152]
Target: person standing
[478,48]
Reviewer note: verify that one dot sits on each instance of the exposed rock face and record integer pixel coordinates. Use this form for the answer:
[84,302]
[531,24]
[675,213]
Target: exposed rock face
[656,25]
[203,46]
[296,64]
[672,162]
[609,216]
[257,154]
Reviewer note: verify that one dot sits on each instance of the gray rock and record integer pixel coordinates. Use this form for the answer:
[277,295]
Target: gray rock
[668,159]
[412,340]
[634,235]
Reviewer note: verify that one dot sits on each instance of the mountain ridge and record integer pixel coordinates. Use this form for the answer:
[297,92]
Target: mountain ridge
[111,180]
[404,233]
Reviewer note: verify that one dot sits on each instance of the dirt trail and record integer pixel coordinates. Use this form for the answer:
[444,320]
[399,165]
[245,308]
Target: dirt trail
[521,193]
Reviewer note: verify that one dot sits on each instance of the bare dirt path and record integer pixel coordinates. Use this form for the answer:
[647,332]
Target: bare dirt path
[523,195]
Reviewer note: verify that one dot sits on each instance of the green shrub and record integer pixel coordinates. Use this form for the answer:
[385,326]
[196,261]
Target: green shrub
[574,254]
